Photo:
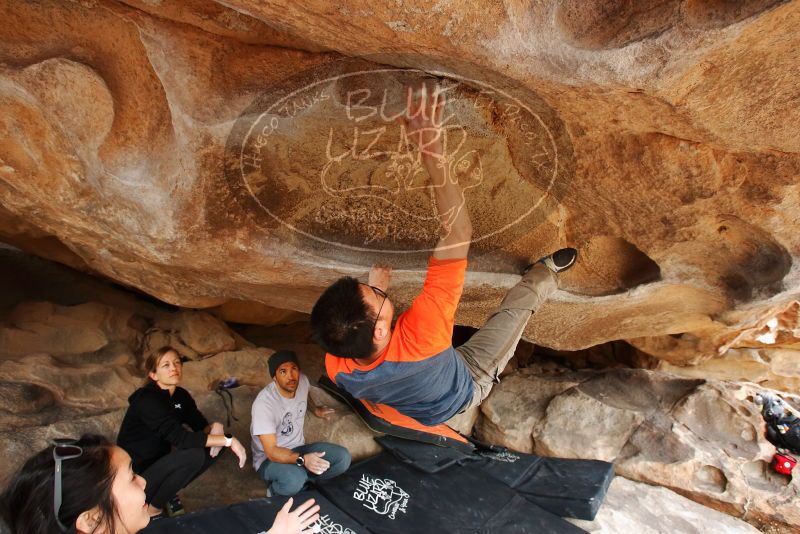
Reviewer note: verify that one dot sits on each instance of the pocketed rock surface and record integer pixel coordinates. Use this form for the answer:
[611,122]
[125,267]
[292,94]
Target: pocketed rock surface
[638,507]
[700,438]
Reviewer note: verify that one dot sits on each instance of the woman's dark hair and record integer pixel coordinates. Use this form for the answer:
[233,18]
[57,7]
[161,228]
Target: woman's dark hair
[152,361]
[27,502]
[341,322]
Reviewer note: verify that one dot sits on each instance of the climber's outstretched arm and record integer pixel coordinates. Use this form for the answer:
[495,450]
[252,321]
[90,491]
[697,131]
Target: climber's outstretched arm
[426,129]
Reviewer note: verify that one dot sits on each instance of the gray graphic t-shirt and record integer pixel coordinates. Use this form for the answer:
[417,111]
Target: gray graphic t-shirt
[272,413]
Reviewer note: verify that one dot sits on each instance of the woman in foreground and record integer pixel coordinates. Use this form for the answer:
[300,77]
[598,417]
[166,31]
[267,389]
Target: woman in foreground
[88,487]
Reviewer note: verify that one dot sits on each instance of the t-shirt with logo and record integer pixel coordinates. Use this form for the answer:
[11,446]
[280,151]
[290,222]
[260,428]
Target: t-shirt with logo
[419,375]
[272,413]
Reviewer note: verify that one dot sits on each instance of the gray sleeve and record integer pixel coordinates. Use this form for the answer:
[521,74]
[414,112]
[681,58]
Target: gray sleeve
[264,417]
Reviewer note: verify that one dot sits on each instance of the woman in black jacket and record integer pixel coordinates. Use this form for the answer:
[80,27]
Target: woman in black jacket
[154,432]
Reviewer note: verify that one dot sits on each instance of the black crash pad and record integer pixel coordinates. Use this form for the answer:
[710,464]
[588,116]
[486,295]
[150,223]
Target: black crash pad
[566,487]
[499,492]
[255,517]
[391,497]
[423,456]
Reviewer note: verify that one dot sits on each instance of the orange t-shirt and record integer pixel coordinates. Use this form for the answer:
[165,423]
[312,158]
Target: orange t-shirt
[419,374]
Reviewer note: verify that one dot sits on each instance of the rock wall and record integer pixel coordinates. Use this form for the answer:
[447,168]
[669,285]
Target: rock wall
[71,349]
[658,137]
[237,158]
[700,438]
[68,364]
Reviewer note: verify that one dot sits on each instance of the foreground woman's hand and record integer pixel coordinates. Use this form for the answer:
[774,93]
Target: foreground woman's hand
[296,522]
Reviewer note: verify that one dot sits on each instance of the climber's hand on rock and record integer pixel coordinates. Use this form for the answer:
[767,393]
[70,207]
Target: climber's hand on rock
[423,120]
[322,411]
[380,276]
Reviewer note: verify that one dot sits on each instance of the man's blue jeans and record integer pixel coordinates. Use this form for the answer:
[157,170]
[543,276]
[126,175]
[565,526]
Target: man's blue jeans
[288,479]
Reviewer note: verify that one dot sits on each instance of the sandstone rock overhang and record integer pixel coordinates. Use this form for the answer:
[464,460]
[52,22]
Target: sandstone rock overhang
[675,126]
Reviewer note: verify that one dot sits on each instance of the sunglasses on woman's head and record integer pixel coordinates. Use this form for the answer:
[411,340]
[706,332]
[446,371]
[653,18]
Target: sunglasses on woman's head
[63,449]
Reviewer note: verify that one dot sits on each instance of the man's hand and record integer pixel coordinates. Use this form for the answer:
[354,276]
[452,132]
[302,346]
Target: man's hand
[323,411]
[296,522]
[240,452]
[380,276]
[315,464]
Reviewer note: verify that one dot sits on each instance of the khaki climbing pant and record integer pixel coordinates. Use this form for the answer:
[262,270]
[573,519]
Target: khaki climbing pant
[488,350]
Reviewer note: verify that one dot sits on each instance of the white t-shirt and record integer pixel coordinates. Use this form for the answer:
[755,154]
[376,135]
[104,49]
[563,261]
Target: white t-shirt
[272,413]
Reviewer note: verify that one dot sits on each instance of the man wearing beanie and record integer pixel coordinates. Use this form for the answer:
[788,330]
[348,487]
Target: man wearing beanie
[281,456]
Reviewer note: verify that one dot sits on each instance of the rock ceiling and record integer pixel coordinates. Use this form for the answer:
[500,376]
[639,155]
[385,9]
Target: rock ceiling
[210,154]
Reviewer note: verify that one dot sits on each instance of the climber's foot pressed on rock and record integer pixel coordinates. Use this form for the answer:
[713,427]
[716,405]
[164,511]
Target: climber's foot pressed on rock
[559,261]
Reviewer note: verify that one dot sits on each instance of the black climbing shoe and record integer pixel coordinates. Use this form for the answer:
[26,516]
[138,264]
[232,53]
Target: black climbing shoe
[174,507]
[559,261]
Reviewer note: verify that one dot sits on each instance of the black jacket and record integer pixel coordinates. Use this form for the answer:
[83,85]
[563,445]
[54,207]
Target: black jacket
[154,423]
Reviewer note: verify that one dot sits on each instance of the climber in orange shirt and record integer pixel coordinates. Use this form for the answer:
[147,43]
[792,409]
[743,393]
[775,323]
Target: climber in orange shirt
[411,375]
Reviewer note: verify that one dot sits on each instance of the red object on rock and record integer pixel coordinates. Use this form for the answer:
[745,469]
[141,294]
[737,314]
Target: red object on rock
[783,463]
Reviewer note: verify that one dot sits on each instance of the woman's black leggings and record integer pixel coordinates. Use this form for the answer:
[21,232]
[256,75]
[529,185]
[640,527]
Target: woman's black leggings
[173,472]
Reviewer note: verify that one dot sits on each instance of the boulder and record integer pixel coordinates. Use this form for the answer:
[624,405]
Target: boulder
[700,438]
[771,368]
[41,390]
[16,446]
[637,507]
[199,331]
[156,338]
[249,312]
